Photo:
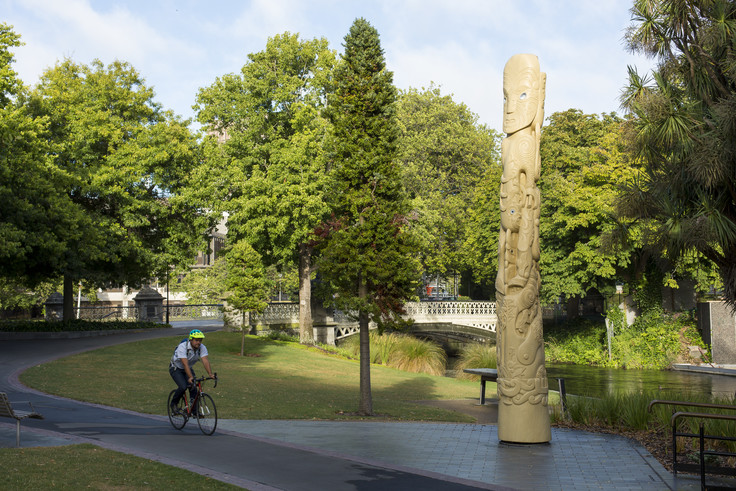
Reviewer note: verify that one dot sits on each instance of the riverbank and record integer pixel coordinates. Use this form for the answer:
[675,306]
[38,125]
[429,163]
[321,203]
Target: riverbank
[728,370]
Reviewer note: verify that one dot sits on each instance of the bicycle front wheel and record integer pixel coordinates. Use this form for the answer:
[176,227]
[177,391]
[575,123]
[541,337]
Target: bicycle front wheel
[206,414]
[177,416]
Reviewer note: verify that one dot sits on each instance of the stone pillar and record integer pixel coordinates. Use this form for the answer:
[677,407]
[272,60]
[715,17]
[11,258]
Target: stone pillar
[55,307]
[523,416]
[324,334]
[717,324]
[150,305]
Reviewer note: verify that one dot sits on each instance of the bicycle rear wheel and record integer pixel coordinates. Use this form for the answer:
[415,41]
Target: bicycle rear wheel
[178,418]
[206,414]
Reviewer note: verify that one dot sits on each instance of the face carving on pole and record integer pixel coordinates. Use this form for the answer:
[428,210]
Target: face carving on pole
[522,83]
[522,378]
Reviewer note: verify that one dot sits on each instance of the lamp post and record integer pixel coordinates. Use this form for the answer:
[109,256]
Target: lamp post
[167,295]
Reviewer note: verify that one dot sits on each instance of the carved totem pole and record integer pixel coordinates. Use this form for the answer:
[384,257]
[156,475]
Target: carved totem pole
[522,379]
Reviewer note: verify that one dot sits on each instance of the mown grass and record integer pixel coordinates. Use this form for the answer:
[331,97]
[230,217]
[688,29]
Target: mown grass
[274,380]
[59,467]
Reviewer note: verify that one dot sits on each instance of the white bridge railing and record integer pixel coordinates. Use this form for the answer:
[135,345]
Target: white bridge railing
[481,315]
[474,314]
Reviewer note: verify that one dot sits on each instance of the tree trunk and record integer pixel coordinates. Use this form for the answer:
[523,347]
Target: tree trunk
[306,333]
[573,308]
[242,330]
[68,306]
[366,400]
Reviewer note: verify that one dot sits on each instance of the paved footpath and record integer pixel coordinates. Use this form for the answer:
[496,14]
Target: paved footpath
[320,455]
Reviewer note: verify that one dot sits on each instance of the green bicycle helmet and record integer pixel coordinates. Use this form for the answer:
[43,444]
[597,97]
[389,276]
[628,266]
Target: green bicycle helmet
[196,334]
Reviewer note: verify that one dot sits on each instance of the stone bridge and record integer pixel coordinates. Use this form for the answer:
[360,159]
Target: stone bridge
[459,321]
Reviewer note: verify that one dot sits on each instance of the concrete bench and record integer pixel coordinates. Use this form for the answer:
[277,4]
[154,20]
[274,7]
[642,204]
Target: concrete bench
[486,375]
[7,411]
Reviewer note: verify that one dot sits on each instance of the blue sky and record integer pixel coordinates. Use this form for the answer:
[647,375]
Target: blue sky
[461,45]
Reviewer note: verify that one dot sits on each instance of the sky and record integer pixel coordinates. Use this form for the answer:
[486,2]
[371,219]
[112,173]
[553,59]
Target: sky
[180,46]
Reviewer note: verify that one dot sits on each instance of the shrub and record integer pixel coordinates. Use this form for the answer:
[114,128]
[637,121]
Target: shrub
[75,325]
[652,342]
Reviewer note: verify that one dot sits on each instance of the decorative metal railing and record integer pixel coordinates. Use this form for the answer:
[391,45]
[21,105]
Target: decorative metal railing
[481,315]
[176,312]
[279,313]
[107,313]
[484,309]
[201,311]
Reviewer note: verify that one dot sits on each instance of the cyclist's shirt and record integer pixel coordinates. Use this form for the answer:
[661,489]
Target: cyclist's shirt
[185,350]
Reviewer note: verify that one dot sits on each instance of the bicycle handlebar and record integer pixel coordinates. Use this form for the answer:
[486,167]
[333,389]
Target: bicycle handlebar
[202,379]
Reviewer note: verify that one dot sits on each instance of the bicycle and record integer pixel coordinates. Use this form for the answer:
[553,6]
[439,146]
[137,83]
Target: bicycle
[201,406]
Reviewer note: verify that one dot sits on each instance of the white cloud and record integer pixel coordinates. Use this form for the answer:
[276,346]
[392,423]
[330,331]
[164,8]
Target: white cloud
[181,45]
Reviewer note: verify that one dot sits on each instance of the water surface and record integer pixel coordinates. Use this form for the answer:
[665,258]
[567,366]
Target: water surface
[595,381]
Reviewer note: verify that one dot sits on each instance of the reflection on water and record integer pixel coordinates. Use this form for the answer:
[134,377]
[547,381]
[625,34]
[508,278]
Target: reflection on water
[594,381]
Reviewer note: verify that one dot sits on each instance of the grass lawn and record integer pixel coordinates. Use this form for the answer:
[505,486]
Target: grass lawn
[274,380]
[59,467]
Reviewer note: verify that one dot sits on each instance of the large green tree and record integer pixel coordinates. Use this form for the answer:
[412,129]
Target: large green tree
[445,154]
[685,129]
[584,160]
[128,167]
[368,255]
[265,151]
[37,218]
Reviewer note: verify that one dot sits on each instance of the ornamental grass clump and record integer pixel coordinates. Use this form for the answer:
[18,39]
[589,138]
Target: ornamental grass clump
[475,355]
[401,351]
[418,356]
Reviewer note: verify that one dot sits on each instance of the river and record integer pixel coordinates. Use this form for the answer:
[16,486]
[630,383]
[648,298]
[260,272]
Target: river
[594,381]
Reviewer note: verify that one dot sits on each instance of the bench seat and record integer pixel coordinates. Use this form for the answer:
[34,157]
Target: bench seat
[7,411]
[486,375]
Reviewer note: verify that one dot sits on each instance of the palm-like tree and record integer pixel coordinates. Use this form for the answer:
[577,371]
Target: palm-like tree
[685,129]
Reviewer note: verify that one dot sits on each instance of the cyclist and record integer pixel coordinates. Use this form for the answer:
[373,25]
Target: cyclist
[187,353]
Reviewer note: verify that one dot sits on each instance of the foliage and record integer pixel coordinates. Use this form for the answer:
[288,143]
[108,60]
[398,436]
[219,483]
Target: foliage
[584,160]
[684,128]
[15,295]
[369,257]
[616,320]
[445,154]
[475,355]
[483,222]
[652,342]
[648,288]
[285,282]
[36,218]
[246,278]
[127,168]
[246,283]
[368,243]
[582,342]
[75,325]
[205,285]
[103,469]
[264,150]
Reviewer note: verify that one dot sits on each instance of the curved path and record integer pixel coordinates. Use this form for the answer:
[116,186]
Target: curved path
[319,455]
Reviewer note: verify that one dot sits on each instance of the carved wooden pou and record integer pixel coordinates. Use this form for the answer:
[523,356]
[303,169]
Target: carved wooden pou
[523,415]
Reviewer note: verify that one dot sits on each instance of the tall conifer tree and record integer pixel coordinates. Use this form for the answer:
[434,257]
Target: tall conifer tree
[369,257]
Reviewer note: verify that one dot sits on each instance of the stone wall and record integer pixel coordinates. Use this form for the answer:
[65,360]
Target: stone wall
[717,324]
